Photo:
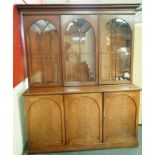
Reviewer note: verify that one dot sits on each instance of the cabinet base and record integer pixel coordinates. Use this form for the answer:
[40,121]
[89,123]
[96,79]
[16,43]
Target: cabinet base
[80,147]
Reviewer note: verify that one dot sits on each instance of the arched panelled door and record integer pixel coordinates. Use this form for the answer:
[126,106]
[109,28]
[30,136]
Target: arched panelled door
[120,116]
[42,36]
[79,49]
[45,117]
[83,113]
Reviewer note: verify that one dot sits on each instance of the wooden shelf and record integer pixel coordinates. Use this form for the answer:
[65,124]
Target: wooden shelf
[81,89]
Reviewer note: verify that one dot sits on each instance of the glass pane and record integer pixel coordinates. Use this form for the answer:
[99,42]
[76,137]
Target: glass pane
[44,63]
[80,68]
[116,39]
[123,66]
[80,58]
[124,37]
[109,39]
[107,66]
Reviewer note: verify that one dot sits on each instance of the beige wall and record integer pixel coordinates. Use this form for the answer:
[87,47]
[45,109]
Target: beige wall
[137,64]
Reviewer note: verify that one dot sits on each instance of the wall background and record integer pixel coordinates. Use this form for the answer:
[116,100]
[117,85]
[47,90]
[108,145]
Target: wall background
[20,81]
[19,84]
[137,63]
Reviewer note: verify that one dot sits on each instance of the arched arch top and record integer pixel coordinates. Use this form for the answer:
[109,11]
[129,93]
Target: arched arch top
[117,23]
[119,34]
[86,98]
[42,24]
[42,101]
[126,99]
[77,25]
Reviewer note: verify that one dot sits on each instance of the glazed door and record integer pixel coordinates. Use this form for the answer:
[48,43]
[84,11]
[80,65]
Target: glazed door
[120,116]
[45,121]
[42,38]
[79,47]
[83,114]
[115,48]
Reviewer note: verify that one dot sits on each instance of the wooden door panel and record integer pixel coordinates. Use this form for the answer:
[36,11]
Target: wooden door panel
[120,116]
[83,114]
[45,120]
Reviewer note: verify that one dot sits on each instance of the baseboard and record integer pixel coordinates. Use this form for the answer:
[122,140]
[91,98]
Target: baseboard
[25,150]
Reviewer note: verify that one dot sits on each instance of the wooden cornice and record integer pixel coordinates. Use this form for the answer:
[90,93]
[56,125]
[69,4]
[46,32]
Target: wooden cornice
[83,7]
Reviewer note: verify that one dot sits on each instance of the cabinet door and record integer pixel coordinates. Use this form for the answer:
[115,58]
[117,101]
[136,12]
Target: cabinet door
[115,48]
[83,114]
[45,120]
[42,37]
[120,116]
[79,46]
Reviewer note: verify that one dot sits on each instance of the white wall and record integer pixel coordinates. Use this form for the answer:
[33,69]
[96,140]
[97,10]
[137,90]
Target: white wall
[19,129]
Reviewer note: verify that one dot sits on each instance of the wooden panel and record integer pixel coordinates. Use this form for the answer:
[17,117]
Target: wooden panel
[83,114]
[45,120]
[120,116]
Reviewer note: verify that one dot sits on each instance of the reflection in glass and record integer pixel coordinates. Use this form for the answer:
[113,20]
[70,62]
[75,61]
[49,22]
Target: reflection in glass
[123,66]
[117,40]
[44,64]
[107,66]
[80,58]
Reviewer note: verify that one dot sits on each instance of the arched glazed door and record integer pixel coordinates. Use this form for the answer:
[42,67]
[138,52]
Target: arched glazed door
[79,49]
[115,49]
[44,60]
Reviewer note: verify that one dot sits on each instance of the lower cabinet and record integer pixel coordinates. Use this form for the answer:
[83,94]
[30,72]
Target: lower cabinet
[81,121]
[120,116]
[83,118]
[45,121]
